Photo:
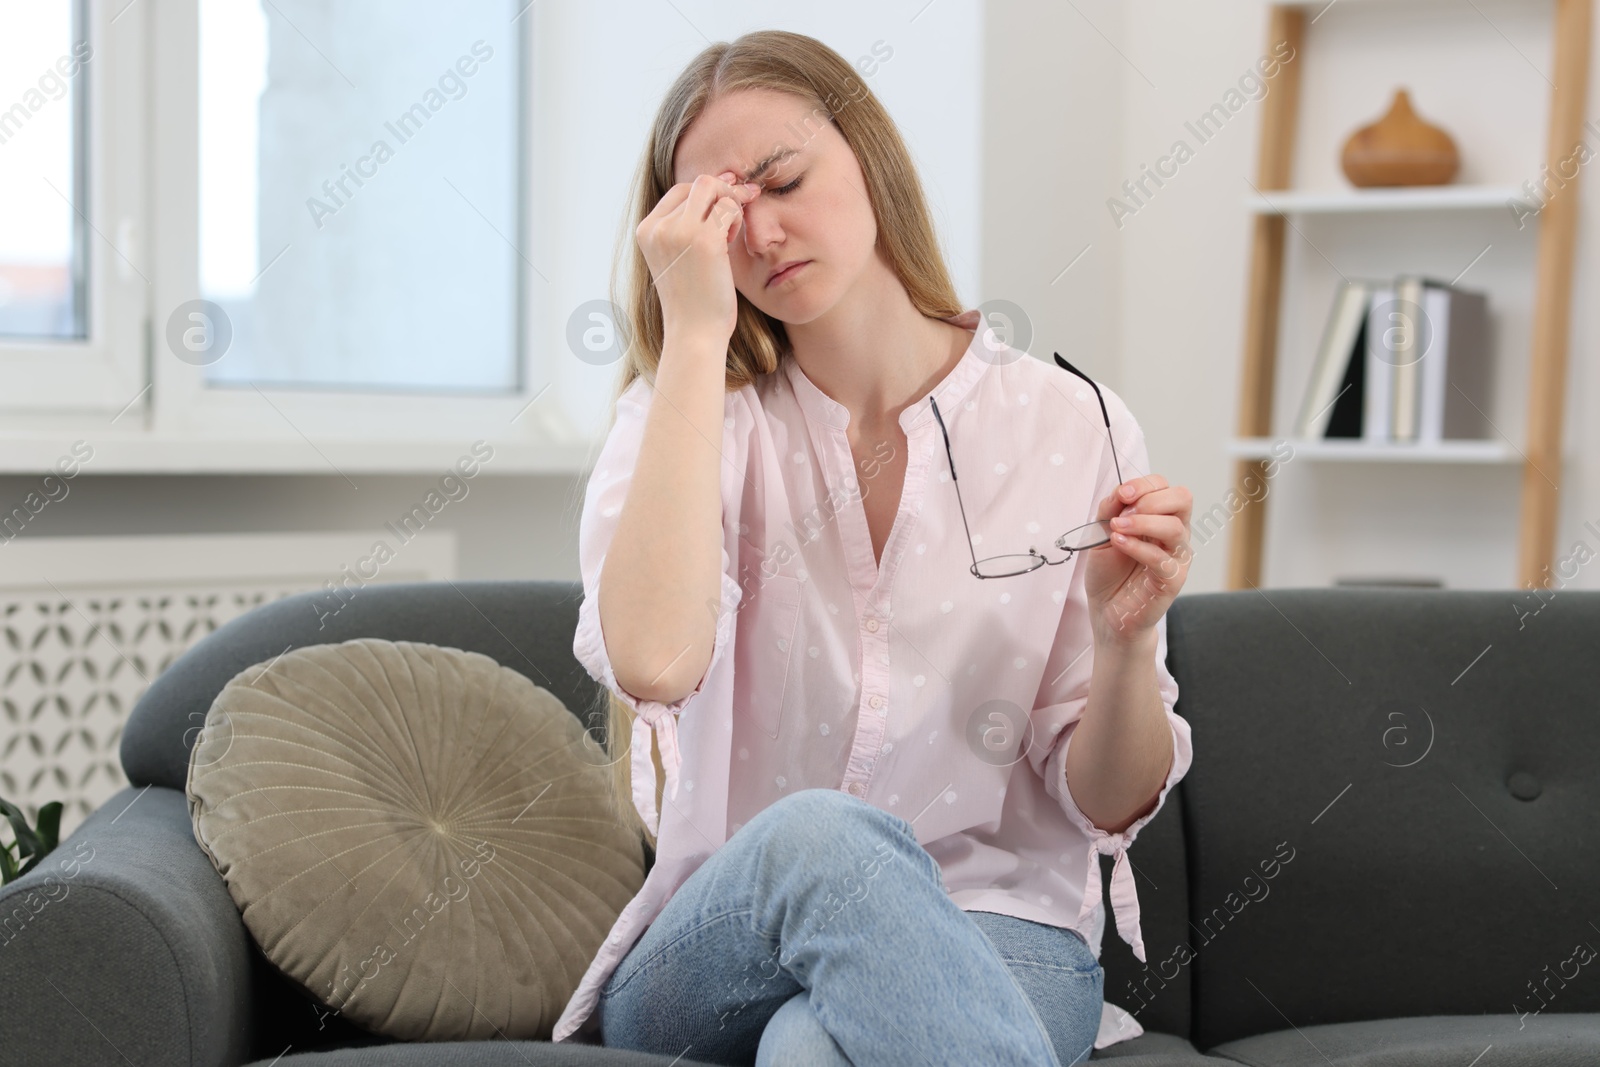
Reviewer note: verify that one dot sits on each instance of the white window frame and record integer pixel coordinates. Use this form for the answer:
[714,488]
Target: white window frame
[105,370]
[184,401]
[144,160]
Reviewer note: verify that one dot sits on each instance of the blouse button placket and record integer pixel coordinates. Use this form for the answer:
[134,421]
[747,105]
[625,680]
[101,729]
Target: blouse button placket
[870,729]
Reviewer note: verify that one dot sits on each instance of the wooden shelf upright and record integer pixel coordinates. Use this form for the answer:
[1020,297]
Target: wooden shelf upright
[1552,310]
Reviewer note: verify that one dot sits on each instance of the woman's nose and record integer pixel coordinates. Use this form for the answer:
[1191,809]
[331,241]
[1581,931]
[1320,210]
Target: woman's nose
[761,225]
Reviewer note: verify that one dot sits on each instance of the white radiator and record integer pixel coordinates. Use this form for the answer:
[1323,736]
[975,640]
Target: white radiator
[89,622]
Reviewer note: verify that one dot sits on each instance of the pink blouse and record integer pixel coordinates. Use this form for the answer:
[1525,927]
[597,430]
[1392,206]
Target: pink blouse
[940,697]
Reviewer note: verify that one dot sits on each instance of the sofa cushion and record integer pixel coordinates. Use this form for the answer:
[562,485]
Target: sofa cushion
[1392,812]
[1155,1049]
[479,1054]
[415,834]
[1544,1040]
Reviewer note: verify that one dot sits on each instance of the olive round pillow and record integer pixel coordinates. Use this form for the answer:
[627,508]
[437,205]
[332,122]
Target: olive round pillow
[417,835]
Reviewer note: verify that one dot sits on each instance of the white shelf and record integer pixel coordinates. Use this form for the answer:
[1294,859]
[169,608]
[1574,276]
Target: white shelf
[1359,451]
[1416,198]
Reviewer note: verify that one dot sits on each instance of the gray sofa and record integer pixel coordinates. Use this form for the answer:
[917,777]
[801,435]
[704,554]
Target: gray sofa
[1379,856]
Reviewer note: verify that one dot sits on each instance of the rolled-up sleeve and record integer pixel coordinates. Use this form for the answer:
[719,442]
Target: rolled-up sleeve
[1065,694]
[602,509]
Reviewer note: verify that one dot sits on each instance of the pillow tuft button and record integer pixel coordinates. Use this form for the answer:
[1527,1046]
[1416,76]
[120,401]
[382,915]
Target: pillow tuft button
[1524,786]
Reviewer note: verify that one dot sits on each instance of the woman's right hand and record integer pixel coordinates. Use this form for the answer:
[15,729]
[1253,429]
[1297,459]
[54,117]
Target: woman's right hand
[685,241]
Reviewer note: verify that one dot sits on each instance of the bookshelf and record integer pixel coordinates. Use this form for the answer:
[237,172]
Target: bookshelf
[1274,202]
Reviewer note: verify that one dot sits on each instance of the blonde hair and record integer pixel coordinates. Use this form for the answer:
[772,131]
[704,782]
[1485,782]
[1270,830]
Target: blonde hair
[804,67]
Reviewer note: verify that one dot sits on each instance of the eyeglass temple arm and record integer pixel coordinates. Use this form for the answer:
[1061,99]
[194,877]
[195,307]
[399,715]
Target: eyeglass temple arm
[948,455]
[1103,413]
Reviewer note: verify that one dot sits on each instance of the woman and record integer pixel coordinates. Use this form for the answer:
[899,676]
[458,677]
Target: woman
[866,850]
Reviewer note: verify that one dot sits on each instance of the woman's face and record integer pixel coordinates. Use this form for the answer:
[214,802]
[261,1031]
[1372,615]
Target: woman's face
[813,207]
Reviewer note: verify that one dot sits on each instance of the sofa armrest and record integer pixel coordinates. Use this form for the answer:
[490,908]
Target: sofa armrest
[123,946]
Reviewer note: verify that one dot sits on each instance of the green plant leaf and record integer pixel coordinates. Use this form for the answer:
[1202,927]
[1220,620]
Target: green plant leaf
[49,827]
[8,866]
[27,841]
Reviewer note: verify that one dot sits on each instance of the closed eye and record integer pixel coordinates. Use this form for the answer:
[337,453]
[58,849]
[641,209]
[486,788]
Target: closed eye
[784,190]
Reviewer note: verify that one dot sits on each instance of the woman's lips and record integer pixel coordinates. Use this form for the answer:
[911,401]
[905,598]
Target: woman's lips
[787,273]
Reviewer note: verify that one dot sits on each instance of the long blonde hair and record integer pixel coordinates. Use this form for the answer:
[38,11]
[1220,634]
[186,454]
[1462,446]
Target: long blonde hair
[804,67]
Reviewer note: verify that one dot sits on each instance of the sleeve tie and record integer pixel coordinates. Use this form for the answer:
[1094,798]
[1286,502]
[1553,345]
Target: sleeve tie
[1124,895]
[654,715]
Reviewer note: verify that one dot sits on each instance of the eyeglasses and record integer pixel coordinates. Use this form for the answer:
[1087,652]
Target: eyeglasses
[1078,539]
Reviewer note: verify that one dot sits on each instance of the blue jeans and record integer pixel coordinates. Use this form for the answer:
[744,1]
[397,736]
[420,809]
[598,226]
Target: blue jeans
[821,933]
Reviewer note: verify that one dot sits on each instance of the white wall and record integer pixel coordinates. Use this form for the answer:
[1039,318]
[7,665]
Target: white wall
[1051,146]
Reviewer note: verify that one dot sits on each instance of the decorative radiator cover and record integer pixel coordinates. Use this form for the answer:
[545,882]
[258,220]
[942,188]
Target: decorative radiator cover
[90,622]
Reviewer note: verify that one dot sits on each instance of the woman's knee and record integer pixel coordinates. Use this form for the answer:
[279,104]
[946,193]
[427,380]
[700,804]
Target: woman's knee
[819,850]
[795,1037]
[827,826]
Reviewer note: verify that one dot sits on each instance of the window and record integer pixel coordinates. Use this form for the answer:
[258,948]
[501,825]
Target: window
[271,222]
[42,253]
[359,177]
[72,291]
[318,235]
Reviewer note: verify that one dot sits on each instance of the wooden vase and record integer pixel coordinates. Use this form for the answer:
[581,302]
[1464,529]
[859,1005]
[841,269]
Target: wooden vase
[1400,149]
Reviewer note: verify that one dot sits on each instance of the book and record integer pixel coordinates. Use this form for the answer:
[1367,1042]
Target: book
[1456,369]
[1345,418]
[1383,331]
[1330,370]
[1405,360]
[1413,336]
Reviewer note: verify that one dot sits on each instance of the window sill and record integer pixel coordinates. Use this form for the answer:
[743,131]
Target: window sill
[38,452]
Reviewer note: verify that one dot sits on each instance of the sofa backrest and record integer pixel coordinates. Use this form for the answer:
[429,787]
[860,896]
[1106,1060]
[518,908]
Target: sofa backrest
[1390,810]
[527,626]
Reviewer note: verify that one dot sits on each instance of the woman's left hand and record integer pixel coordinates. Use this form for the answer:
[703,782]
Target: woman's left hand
[1132,579]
